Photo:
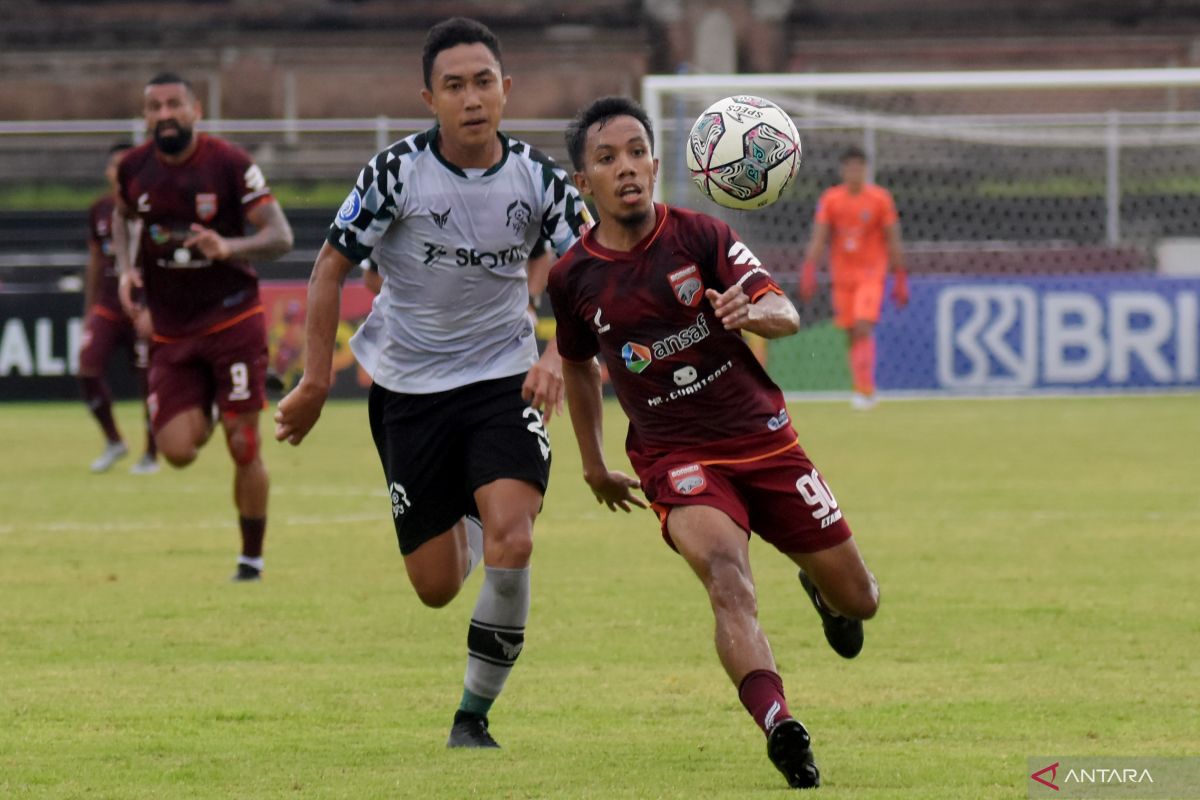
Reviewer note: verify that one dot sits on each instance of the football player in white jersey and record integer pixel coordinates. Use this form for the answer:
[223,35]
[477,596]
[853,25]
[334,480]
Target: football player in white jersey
[450,216]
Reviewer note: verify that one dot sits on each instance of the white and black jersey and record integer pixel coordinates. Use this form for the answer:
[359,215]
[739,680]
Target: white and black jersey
[452,246]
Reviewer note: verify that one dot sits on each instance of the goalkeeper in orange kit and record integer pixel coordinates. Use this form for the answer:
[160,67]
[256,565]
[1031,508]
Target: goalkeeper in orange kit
[858,221]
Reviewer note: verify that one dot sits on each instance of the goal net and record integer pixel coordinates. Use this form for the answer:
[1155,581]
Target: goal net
[1051,222]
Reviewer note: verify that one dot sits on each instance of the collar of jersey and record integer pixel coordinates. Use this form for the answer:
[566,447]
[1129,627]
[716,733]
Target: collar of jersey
[600,251]
[431,136]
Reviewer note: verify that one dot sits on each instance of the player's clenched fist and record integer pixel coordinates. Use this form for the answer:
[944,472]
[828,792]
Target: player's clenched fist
[299,411]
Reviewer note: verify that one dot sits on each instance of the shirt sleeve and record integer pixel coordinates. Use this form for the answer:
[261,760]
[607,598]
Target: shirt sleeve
[824,215]
[251,184]
[736,265]
[369,209]
[123,170]
[565,216]
[576,340]
[889,215]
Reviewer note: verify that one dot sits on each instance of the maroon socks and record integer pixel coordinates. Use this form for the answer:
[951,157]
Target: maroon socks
[99,400]
[761,692]
[253,531]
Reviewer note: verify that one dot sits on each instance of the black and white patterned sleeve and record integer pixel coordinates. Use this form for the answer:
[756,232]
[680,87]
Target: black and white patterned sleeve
[565,217]
[370,208]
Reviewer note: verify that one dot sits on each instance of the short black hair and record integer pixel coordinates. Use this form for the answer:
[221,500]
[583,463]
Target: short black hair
[603,110]
[852,153]
[452,32]
[118,147]
[167,78]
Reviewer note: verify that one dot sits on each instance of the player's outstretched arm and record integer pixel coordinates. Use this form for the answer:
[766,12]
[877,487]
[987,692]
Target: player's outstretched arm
[771,316]
[299,410]
[586,406]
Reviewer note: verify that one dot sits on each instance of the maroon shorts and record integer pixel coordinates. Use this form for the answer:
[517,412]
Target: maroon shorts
[779,495]
[104,331]
[226,364]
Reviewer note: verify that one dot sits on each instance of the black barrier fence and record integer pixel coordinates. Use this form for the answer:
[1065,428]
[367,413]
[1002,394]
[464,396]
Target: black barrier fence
[42,330]
[40,336]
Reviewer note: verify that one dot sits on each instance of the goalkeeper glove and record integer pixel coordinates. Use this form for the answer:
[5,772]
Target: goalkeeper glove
[900,287]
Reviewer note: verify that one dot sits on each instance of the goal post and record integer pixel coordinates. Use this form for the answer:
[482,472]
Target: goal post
[1051,221]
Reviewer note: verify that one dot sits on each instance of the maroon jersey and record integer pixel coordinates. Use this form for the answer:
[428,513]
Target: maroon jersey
[685,383]
[100,234]
[216,187]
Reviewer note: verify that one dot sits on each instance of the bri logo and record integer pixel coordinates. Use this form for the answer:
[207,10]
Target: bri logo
[999,336]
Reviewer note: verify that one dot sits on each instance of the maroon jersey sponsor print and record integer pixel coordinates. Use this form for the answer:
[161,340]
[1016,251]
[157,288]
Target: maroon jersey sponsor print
[216,187]
[682,379]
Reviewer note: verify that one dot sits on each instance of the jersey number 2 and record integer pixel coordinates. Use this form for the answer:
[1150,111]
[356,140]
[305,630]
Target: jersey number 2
[536,427]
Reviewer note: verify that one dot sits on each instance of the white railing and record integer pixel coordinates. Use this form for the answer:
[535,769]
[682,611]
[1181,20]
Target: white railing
[290,130]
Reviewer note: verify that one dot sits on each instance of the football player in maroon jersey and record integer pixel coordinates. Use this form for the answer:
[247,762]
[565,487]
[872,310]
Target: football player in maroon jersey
[193,195]
[662,295]
[106,328]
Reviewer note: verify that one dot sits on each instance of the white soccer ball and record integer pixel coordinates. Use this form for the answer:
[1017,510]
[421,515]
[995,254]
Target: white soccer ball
[743,151]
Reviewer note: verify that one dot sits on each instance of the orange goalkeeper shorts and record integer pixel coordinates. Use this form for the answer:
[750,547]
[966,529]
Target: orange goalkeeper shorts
[857,301]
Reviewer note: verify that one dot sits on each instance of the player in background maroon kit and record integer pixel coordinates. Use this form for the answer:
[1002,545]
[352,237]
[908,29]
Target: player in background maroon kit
[193,195]
[106,327]
[662,295]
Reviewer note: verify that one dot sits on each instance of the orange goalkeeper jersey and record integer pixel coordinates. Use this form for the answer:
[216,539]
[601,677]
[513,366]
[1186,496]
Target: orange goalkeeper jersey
[857,231]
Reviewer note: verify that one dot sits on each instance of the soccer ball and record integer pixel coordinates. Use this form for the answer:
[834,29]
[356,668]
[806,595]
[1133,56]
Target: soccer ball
[743,151]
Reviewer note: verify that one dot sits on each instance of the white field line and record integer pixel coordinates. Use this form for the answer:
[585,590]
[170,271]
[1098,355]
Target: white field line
[85,526]
[297,490]
[161,488]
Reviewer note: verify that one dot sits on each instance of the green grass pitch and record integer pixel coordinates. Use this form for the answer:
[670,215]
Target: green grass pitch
[1037,560]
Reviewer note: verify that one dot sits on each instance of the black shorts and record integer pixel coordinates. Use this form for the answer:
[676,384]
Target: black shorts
[437,449]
